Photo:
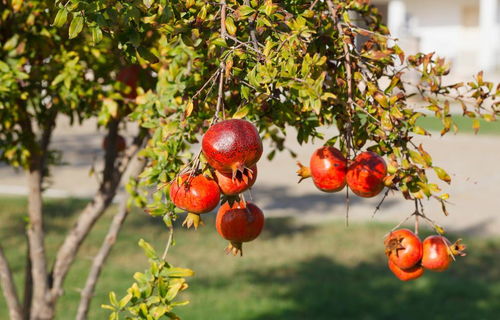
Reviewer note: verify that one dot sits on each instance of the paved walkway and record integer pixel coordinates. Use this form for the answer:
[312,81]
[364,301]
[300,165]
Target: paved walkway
[472,161]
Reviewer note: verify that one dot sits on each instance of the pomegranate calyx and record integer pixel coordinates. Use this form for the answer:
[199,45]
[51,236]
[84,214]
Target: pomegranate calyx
[303,172]
[393,245]
[235,248]
[458,248]
[193,220]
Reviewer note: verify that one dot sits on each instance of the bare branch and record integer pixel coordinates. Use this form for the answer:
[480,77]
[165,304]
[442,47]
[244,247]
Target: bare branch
[88,291]
[9,289]
[88,217]
[251,26]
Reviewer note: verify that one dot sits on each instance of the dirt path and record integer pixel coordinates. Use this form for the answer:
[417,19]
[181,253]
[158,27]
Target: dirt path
[472,161]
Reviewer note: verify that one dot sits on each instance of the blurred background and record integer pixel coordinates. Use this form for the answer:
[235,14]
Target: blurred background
[308,264]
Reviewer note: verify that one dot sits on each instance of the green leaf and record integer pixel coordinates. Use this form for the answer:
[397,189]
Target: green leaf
[148,249]
[443,175]
[112,299]
[147,55]
[241,113]
[230,26]
[76,26]
[148,3]
[61,18]
[96,35]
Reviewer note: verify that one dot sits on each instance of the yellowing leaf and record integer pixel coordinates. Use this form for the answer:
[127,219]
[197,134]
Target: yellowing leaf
[241,113]
[443,175]
[75,27]
[230,26]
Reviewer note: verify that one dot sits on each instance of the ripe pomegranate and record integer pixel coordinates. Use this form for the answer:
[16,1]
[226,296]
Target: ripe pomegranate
[195,194]
[129,76]
[240,222]
[240,183]
[365,176]
[406,274]
[232,145]
[403,248]
[438,252]
[120,143]
[327,167]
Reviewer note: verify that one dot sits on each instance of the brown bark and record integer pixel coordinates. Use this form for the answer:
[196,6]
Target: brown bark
[108,243]
[9,289]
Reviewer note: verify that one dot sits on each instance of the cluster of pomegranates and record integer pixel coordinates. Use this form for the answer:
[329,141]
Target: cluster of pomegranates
[232,149]
[330,172]
[408,257]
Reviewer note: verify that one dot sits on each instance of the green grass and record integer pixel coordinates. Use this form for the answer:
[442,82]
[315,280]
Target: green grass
[464,125]
[292,271]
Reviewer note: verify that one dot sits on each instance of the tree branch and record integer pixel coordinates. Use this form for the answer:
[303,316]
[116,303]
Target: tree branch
[88,291]
[91,213]
[9,289]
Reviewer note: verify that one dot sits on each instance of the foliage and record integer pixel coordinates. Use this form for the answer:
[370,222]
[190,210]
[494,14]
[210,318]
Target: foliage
[152,295]
[280,64]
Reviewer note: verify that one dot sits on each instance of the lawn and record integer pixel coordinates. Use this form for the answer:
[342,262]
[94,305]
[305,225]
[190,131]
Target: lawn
[292,271]
[464,125]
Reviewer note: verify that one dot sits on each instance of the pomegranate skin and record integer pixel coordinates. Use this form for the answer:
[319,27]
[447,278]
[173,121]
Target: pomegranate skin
[403,248]
[408,274]
[365,176]
[239,223]
[199,195]
[436,255]
[242,181]
[328,169]
[129,76]
[232,145]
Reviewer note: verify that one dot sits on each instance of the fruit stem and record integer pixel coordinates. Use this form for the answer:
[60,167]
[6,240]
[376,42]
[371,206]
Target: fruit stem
[303,172]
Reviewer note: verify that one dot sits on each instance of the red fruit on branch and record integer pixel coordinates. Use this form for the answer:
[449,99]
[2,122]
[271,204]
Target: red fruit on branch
[120,143]
[129,76]
[438,252]
[232,145]
[403,248]
[242,181]
[195,194]
[365,176]
[240,222]
[327,167]
[406,274]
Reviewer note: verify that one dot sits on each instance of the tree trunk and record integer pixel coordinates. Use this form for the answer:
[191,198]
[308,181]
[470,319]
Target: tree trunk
[28,287]
[41,308]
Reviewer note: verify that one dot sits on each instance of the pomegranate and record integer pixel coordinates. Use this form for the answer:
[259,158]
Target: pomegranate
[406,274]
[241,182]
[365,176]
[438,252]
[232,145]
[195,194]
[403,248]
[327,167]
[129,76]
[120,143]
[240,222]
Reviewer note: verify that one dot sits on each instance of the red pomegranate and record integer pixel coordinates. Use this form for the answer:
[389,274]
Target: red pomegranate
[403,248]
[327,167]
[232,145]
[241,182]
[238,223]
[120,143]
[129,76]
[438,252]
[196,194]
[406,274]
[365,176]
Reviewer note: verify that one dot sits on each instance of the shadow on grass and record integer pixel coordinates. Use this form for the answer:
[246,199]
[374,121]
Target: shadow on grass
[322,288]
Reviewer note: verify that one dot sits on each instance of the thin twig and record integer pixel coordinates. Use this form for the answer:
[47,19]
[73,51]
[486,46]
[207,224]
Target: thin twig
[212,77]
[169,242]
[381,202]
